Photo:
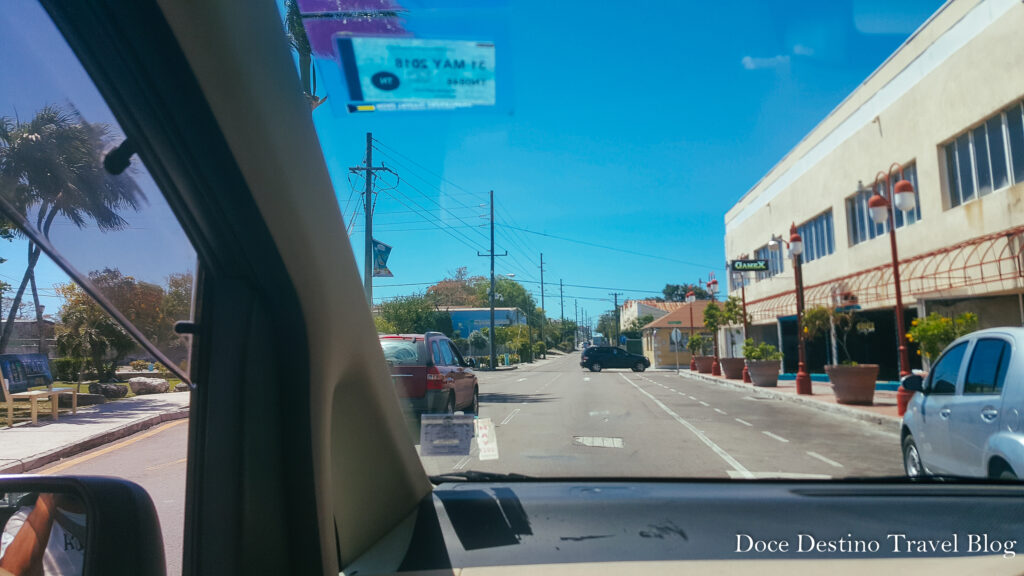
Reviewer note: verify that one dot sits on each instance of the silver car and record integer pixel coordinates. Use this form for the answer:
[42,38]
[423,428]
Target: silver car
[965,417]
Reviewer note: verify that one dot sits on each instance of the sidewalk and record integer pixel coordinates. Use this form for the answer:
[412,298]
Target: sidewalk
[26,447]
[882,412]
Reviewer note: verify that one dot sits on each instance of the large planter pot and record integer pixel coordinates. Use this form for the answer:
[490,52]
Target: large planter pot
[732,368]
[704,364]
[764,373]
[853,384]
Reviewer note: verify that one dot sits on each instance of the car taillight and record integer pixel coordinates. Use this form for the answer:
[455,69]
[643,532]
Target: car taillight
[435,380]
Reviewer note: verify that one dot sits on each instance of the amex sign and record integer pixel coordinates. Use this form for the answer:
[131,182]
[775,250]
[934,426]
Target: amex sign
[760,265]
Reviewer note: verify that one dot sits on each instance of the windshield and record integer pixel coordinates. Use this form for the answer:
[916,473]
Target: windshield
[404,352]
[707,192]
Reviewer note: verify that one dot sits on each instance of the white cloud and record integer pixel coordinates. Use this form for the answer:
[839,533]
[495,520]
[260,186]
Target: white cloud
[752,63]
[801,50]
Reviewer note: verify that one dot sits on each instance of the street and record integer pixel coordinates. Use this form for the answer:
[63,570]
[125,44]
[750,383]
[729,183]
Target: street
[557,420]
[554,419]
[154,459]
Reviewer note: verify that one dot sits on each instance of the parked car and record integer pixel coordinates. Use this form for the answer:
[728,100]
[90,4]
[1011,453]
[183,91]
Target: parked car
[596,358]
[430,374]
[965,419]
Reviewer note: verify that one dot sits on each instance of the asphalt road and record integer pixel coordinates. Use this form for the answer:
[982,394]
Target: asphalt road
[154,459]
[554,419]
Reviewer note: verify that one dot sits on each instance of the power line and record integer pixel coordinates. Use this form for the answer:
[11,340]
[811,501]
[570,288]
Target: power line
[595,245]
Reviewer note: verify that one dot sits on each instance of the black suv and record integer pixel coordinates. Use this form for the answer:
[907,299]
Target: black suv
[597,357]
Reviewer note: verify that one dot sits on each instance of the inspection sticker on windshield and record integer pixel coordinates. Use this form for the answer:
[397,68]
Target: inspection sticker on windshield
[389,74]
[486,439]
[445,435]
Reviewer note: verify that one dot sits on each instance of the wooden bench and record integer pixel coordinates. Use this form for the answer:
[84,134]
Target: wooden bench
[34,396]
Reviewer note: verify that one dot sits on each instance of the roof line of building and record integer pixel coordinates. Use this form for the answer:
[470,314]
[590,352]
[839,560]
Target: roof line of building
[955,37]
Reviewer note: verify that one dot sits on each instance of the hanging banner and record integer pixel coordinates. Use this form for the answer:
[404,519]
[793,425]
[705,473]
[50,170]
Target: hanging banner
[381,252]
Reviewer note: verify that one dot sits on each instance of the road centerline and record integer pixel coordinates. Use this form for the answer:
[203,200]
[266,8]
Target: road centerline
[775,436]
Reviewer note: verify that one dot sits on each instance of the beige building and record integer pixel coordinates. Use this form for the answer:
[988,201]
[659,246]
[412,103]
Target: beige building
[947,106]
[657,336]
[634,309]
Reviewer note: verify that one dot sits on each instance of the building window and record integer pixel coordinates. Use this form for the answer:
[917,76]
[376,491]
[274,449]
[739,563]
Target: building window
[859,224]
[986,158]
[774,258]
[818,237]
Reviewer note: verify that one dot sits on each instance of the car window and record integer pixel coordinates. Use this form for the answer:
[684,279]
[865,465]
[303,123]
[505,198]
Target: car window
[438,358]
[987,371]
[456,355]
[446,353]
[944,375]
[403,351]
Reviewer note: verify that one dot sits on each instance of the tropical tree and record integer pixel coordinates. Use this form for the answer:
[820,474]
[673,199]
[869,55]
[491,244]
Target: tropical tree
[87,331]
[635,328]
[677,292]
[732,314]
[458,290]
[415,315]
[50,167]
[712,321]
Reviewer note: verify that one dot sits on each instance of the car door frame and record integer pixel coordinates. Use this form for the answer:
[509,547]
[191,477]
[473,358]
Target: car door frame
[464,379]
[932,435]
[967,423]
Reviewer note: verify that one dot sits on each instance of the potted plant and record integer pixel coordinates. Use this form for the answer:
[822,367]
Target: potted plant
[764,362]
[696,346]
[713,321]
[732,313]
[852,383]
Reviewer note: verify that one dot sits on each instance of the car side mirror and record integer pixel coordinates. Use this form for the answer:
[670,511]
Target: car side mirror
[96,520]
[913,383]
[470,363]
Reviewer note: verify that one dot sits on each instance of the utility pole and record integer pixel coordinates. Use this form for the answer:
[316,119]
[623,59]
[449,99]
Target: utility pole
[616,296]
[494,358]
[544,318]
[561,303]
[368,212]
[576,327]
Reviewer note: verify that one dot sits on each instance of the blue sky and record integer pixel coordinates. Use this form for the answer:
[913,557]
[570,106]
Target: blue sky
[635,129]
[630,128]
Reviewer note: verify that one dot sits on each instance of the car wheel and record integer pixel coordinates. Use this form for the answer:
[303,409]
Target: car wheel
[639,367]
[1006,474]
[595,367]
[474,408]
[912,458]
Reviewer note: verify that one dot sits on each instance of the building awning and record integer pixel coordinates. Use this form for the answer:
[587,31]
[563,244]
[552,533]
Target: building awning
[989,264]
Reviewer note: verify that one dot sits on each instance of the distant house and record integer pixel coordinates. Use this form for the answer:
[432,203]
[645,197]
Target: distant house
[465,319]
[25,337]
[634,309]
[657,336]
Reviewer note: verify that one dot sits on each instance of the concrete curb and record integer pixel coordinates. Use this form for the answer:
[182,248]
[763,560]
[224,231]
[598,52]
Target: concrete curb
[39,460]
[862,415]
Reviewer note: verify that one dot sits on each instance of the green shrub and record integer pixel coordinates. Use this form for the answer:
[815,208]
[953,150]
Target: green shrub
[66,369]
[762,351]
[538,349]
[139,365]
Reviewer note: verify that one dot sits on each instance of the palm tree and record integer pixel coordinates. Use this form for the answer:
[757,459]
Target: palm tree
[51,166]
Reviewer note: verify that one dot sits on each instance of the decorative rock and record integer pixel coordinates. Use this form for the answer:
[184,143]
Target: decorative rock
[109,390]
[142,386]
[181,387]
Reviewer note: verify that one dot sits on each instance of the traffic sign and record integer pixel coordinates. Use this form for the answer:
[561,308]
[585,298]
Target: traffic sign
[758,265]
[677,336]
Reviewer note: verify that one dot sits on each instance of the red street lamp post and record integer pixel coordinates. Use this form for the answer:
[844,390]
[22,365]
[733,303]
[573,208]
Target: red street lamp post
[902,195]
[716,369]
[690,298]
[796,248]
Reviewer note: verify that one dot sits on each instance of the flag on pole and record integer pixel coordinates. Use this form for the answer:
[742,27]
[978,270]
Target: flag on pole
[381,252]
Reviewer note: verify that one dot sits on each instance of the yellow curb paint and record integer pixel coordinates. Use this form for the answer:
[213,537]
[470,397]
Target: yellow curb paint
[86,457]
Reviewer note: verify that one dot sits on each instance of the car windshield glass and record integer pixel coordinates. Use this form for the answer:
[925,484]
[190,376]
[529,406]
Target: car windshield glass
[403,351]
[737,202]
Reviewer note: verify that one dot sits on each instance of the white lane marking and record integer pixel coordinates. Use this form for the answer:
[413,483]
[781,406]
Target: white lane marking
[599,441]
[521,379]
[599,412]
[510,417]
[672,389]
[720,411]
[586,379]
[461,463]
[692,398]
[828,461]
[744,422]
[702,403]
[776,436]
[737,467]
